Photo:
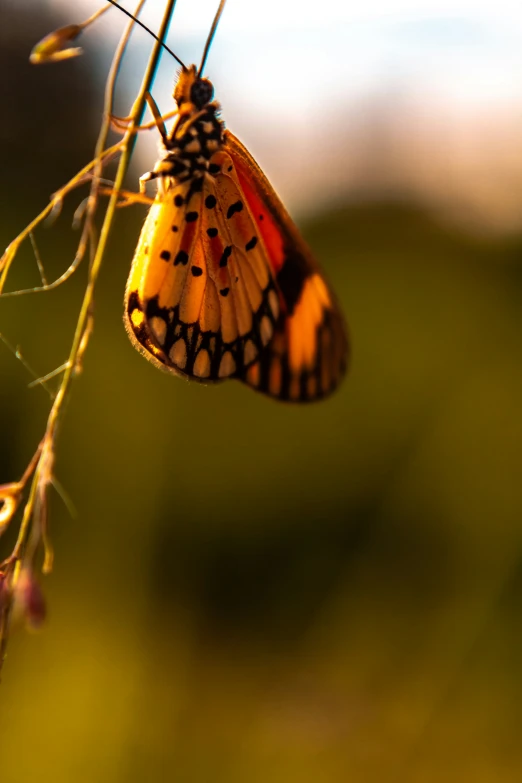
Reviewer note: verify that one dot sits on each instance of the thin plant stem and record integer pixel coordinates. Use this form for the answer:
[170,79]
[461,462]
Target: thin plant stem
[12,249]
[43,470]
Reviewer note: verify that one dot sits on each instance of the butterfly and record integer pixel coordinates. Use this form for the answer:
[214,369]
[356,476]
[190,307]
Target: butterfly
[222,285]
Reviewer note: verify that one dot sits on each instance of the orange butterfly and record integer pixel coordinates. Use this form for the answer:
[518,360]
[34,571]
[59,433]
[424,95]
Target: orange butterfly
[222,285]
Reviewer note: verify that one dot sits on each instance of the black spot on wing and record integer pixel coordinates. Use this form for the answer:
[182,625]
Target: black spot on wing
[134,303]
[196,271]
[165,255]
[181,258]
[251,244]
[233,208]
[212,232]
[191,217]
[226,255]
[178,200]
[210,202]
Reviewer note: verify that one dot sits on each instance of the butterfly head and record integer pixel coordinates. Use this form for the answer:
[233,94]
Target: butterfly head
[193,89]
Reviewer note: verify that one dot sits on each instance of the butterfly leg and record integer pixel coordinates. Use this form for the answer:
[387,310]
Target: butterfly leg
[122,123]
[158,119]
[150,175]
[128,197]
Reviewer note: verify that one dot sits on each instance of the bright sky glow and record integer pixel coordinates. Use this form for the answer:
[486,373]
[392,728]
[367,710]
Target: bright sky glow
[467,49]
[294,77]
[320,14]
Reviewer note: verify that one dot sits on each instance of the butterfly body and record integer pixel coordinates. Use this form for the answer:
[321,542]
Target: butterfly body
[222,284]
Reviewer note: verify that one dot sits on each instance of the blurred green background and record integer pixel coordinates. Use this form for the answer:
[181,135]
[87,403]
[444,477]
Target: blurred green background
[252,591]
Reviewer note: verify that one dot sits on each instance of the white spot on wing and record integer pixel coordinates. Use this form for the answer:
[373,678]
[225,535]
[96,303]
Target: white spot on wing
[227,365]
[202,364]
[158,327]
[266,329]
[250,352]
[178,354]
[273,301]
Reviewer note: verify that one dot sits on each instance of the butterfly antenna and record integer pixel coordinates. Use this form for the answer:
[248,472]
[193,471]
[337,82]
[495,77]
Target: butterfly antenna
[211,35]
[144,26]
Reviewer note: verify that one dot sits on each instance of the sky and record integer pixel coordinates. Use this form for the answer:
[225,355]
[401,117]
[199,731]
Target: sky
[299,79]
[469,49]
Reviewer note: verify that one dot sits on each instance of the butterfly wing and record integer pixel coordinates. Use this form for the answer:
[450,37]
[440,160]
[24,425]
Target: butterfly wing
[308,355]
[222,285]
[201,301]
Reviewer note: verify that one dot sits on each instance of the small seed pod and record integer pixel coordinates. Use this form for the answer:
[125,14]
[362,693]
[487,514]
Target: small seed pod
[29,601]
[52,48]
